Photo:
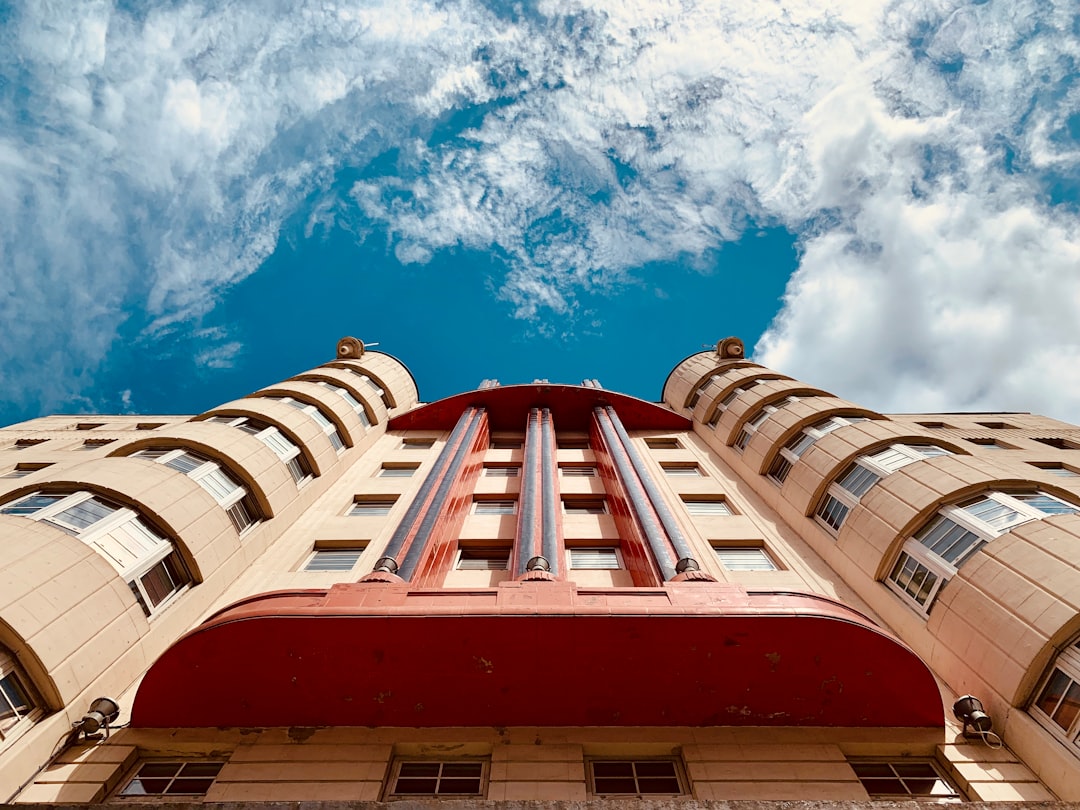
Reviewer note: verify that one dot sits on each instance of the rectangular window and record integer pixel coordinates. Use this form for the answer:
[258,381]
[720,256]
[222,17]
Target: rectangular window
[1059,470]
[89,425]
[83,514]
[506,443]
[571,443]
[31,504]
[397,470]
[501,470]
[743,558]
[372,507]
[23,470]
[906,780]
[454,778]
[584,506]
[833,511]
[417,444]
[94,444]
[149,425]
[1059,444]
[577,471]
[663,443]
[17,699]
[173,779]
[22,444]
[681,469]
[336,559]
[636,777]
[495,507]
[483,559]
[594,559]
[990,444]
[713,506]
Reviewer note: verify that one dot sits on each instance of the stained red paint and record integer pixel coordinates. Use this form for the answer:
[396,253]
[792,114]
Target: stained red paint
[537,653]
[571,407]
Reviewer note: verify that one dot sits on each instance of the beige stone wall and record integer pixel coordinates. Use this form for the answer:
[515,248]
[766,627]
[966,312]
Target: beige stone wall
[550,764]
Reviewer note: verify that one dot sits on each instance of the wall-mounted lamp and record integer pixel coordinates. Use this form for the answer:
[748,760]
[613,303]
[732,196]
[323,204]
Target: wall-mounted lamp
[968,709]
[103,711]
[538,564]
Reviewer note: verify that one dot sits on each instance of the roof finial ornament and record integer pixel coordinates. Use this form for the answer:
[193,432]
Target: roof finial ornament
[730,348]
[349,348]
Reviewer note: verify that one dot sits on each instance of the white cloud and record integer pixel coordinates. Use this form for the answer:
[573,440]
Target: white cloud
[150,160]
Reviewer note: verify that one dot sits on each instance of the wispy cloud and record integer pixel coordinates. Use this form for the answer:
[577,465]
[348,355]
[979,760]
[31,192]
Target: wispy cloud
[151,158]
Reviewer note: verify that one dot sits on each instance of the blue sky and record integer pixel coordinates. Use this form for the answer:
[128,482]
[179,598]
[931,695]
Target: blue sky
[199,198]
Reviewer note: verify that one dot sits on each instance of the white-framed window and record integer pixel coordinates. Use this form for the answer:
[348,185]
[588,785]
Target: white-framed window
[502,470]
[636,777]
[373,506]
[1057,700]
[844,493]
[586,505]
[483,558]
[333,559]
[744,558]
[707,507]
[577,471]
[699,392]
[1055,468]
[147,561]
[495,506]
[392,470]
[25,469]
[801,442]
[234,498]
[273,438]
[172,778]
[681,469]
[932,556]
[723,405]
[906,779]
[378,389]
[321,419]
[20,705]
[596,558]
[456,778]
[358,407]
[752,425]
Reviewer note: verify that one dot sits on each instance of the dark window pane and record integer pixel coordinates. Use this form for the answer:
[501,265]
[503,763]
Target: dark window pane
[163,769]
[650,785]
[1053,692]
[416,786]
[615,785]
[885,787]
[201,769]
[924,769]
[419,769]
[459,769]
[190,786]
[460,786]
[601,769]
[656,769]
[14,695]
[921,787]
[142,787]
[157,583]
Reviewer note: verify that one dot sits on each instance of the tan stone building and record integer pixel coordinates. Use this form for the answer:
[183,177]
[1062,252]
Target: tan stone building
[329,590]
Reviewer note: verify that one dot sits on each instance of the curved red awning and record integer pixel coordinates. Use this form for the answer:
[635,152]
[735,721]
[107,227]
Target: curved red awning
[537,654]
[571,406]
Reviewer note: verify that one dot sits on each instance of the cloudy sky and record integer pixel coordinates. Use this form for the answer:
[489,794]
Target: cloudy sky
[199,198]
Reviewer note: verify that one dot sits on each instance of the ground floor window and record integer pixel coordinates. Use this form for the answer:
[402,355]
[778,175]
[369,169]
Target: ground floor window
[458,778]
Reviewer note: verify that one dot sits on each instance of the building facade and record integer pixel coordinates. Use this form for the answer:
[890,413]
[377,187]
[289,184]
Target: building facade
[329,590]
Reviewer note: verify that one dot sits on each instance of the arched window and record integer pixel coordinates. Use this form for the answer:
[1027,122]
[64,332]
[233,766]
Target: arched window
[1057,700]
[273,438]
[147,561]
[361,411]
[19,703]
[932,556]
[230,495]
[863,473]
[320,418]
[801,442]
